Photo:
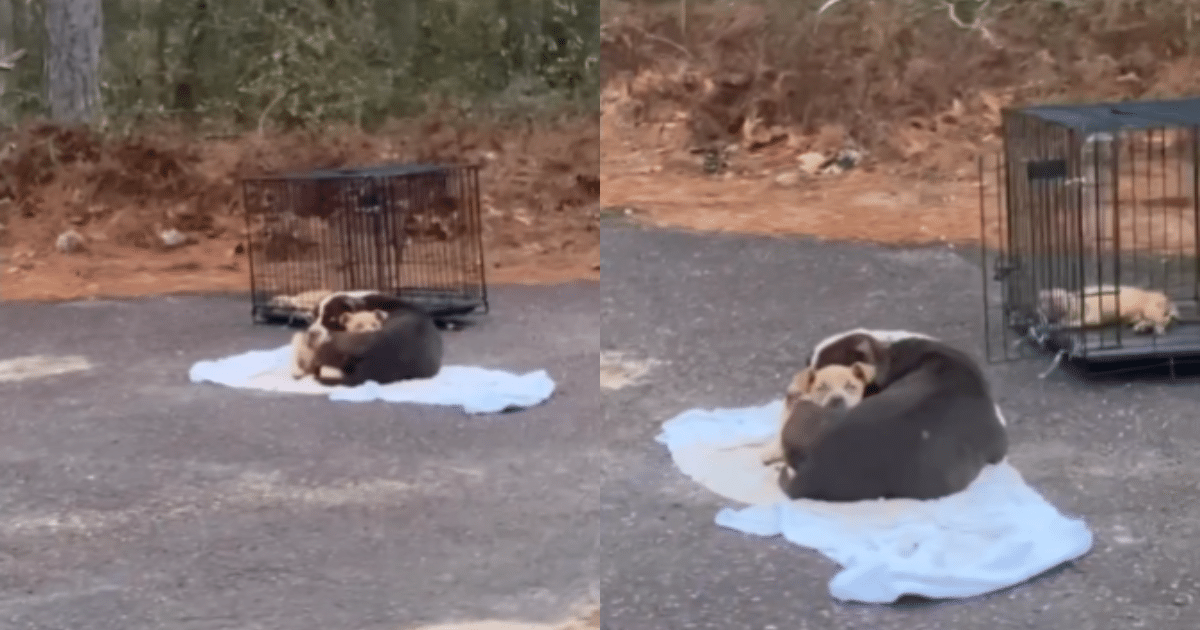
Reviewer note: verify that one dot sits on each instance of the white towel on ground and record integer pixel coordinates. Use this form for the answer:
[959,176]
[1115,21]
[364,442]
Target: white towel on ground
[477,390]
[996,533]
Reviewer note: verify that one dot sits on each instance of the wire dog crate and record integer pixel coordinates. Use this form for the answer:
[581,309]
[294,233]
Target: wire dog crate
[409,230]
[1086,202]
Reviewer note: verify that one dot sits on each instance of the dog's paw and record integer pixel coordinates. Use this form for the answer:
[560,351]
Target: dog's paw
[329,373]
[1145,327]
[770,456]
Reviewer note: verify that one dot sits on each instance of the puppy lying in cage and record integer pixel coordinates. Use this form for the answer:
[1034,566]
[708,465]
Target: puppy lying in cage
[1142,309]
[302,304]
[367,336]
[815,400]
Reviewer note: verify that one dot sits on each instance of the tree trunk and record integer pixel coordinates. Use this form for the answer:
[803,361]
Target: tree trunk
[161,22]
[8,44]
[74,32]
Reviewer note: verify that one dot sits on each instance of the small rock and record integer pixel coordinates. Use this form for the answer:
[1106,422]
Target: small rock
[811,162]
[173,238]
[845,160]
[788,178]
[69,242]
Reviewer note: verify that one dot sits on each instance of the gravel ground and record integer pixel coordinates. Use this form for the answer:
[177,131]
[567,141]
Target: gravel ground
[723,320]
[131,499]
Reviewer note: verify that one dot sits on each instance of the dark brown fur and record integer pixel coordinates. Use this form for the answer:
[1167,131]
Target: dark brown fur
[804,427]
[409,346]
[330,309]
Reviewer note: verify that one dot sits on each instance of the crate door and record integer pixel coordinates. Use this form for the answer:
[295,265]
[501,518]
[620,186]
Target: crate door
[1035,243]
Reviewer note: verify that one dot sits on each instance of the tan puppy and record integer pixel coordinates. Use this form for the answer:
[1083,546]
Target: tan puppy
[812,394]
[304,301]
[319,347]
[1142,309]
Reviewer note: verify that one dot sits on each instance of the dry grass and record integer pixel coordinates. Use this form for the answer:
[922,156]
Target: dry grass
[752,72]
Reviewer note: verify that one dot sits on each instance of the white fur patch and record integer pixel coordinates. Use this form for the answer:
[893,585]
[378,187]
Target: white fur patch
[40,366]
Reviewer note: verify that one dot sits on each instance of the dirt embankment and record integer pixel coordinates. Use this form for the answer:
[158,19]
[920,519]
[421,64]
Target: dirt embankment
[539,193]
[725,119]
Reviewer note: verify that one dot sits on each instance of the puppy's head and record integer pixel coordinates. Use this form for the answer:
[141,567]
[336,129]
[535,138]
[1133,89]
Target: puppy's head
[330,310]
[1056,304]
[833,386]
[362,321]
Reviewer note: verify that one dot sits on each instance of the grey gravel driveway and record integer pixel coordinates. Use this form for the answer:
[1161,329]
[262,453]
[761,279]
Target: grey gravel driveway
[723,320]
[131,499]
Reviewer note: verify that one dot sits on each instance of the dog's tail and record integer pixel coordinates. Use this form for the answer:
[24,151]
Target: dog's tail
[786,477]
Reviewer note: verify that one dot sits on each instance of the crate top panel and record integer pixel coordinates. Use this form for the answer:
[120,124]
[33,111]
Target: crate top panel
[1111,117]
[382,170]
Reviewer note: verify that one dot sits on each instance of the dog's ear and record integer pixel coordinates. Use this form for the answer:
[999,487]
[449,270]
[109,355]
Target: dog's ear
[344,318]
[330,312]
[808,378]
[864,372]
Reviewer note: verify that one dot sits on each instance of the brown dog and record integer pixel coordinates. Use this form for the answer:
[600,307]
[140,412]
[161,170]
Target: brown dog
[928,432]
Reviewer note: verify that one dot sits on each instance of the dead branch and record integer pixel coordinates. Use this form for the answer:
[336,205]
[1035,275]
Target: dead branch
[977,24]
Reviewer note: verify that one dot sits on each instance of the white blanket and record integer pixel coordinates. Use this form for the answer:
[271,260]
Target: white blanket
[476,390]
[996,533]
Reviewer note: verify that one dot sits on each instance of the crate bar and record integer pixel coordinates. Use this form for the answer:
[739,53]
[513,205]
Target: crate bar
[983,257]
[246,187]
[358,224]
[1196,212]
[1059,237]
